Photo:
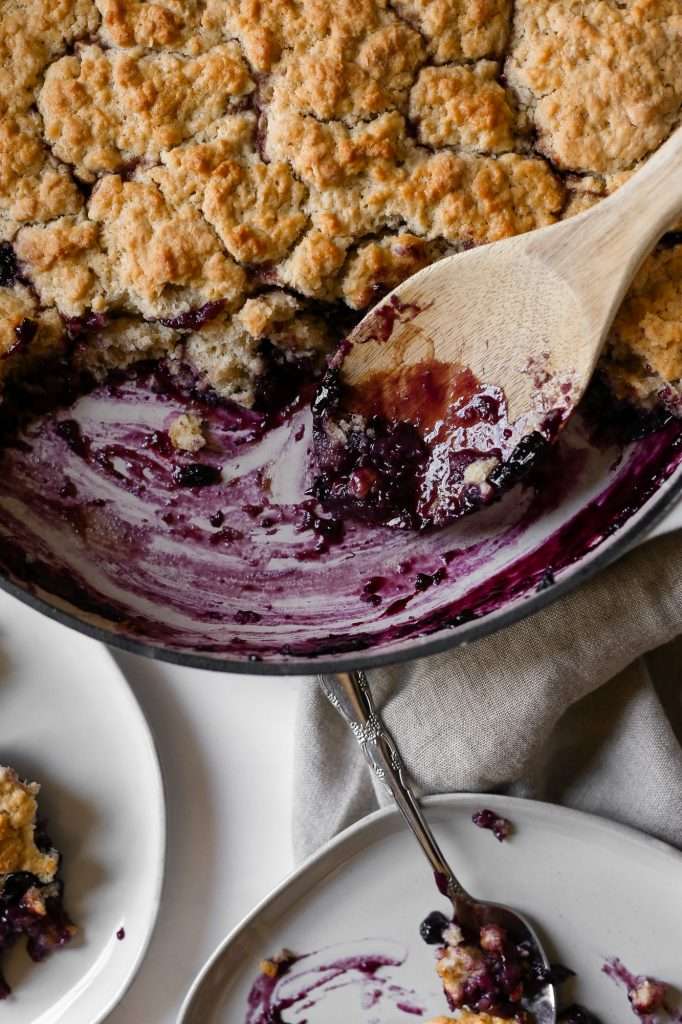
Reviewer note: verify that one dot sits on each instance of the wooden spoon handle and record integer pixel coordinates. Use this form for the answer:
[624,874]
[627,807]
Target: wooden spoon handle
[604,247]
[651,201]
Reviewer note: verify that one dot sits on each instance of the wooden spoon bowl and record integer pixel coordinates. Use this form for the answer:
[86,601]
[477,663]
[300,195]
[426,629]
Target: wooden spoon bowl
[447,391]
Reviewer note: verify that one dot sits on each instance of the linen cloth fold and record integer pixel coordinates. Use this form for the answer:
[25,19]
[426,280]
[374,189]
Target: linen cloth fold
[580,704]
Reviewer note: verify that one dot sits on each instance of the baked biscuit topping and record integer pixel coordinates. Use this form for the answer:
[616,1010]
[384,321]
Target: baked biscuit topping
[18,851]
[164,165]
[31,891]
[601,78]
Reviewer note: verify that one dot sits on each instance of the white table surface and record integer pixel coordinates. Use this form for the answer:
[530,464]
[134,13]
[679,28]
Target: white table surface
[226,750]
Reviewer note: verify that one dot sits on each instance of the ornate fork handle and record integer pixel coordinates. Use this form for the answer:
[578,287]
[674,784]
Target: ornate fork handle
[350,694]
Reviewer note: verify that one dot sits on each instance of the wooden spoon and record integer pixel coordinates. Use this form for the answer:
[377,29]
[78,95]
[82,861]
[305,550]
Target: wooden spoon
[484,355]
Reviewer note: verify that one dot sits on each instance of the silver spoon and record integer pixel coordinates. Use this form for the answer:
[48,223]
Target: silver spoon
[350,694]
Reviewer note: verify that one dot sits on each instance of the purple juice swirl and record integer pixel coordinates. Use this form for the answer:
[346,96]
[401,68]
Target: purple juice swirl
[100,513]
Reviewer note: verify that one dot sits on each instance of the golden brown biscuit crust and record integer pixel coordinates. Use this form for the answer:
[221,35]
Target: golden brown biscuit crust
[18,808]
[463,106]
[162,156]
[602,78]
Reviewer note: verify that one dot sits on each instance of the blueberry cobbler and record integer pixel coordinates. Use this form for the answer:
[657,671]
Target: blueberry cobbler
[487,975]
[227,185]
[30,888]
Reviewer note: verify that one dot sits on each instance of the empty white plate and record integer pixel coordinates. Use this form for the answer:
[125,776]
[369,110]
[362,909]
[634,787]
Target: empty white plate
[596,890]
[69,721]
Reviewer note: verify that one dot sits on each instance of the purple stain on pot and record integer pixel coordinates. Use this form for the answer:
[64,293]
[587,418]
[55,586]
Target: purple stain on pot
[174,556]
[350,978]
[121,934]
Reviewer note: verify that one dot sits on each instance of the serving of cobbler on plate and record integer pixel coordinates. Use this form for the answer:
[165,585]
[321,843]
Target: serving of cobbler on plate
[31,890]
[205,181]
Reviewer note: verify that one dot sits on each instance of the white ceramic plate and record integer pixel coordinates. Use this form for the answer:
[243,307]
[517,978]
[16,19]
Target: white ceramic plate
[69,721]
[596,890]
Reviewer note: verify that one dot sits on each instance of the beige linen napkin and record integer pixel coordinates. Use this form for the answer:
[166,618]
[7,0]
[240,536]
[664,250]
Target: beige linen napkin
[568,706]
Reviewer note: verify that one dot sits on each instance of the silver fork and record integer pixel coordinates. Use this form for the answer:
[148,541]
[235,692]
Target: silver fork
[350,694]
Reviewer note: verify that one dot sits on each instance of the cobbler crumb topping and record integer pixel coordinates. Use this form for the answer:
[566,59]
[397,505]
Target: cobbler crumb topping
[18,850]
[31,891]
[191,178]
[185,433]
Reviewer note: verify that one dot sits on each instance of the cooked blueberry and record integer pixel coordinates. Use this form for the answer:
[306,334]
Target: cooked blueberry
[432,927]
[196,474]
[527,452]
[69,430]
[499,826]
[9,269]
[24,332]
[373,585]
[245,617]
[16,884]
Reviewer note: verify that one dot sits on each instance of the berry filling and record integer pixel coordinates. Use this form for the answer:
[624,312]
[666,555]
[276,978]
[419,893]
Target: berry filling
[485,970]
[24,332]
[9,268]
[34,911]
[193,319]
[421,446]
[291,987]
[78,326]
[499,826]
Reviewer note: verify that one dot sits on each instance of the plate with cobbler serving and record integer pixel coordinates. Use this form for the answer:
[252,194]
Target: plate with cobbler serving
[333,943]
[82,826]
[198,200]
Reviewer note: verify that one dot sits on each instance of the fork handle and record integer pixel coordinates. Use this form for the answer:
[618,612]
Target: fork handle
[350,694]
